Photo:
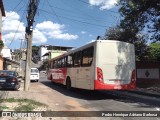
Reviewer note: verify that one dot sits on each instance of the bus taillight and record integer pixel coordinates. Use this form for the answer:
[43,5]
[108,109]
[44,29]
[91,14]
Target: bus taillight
[133,77]
[99,74]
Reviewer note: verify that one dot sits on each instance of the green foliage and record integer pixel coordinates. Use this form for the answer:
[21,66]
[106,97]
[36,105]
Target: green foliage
[23,104]
[28,107]
[3,107]
[1,43]
[154,51]
[35,50]
[139,14]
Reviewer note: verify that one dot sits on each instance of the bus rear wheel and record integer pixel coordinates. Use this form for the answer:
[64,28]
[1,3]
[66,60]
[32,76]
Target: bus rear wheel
[68,83]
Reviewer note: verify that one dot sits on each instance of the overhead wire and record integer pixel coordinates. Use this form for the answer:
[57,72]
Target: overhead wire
[91,17]
[54,12]
[13,10]
[75,25]
[76,20]
[85,13]
[17,29]
[18,25]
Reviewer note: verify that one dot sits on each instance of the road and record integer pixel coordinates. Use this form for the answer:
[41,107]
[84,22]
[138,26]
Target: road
[61,99]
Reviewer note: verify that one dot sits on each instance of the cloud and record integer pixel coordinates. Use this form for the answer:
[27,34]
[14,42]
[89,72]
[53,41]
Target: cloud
[54,31]
[83,32]
[12,23]
[14,29]
[91,41]
[9,37]
[38,37]
[104,4]
[11,15]
[48,25]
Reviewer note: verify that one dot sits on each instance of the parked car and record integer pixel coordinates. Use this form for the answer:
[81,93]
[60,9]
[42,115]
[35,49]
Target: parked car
[9,80]
[34,74]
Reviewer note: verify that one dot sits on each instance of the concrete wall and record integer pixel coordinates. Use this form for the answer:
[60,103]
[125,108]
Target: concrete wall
[55,53]
[6,52]
[148,73]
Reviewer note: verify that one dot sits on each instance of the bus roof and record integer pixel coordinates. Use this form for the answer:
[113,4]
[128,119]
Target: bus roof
[87,45]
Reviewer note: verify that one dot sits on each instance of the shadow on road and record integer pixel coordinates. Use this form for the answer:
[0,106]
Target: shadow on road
[79,93]
[139,101]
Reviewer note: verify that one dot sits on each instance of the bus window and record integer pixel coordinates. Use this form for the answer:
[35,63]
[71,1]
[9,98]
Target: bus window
[69,61]
[59,63]
[87,57]
[64,62]
[77,59]
[52,64]
[55,64]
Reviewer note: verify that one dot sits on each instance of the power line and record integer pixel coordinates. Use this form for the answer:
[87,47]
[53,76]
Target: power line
[91,17]
[54,12]
[17,29]
[77,20]
[13,10]
[83,12]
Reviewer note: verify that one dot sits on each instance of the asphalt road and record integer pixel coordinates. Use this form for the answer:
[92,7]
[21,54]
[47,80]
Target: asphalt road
[60,99]
[85,100]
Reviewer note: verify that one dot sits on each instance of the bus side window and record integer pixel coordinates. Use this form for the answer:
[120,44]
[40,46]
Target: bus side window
[52,64]
[64,62]
[69,60]
[77,59]
[55,64]
[59,63]
[87,56]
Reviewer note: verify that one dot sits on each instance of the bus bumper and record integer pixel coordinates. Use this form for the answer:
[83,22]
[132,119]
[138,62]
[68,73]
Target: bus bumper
[102,86]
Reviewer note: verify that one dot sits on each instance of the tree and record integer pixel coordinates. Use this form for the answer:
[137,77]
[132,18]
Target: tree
[35,50]
[154,51]
[142,15]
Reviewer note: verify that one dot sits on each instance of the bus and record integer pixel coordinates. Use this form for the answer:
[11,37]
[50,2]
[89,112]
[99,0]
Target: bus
[99,65]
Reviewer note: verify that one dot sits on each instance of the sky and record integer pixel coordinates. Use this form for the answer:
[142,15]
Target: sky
[71,23]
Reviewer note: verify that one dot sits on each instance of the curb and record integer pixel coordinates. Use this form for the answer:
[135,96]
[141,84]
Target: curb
[146,93]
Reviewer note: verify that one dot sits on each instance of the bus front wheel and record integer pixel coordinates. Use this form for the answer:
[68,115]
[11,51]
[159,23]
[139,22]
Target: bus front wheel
[68,83]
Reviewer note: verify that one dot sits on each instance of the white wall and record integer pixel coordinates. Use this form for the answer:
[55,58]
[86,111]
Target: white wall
[43,50]
[6,53]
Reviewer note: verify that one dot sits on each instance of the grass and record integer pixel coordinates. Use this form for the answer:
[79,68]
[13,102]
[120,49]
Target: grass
[3,107]
[28,107]
[23,104]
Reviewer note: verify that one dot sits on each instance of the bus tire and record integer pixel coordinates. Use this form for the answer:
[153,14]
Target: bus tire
[68,83]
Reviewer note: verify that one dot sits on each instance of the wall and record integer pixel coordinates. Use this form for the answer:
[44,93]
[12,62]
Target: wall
[1,62]
[0,21]
[148,73]
[43,50]
[56,53]
[6,53]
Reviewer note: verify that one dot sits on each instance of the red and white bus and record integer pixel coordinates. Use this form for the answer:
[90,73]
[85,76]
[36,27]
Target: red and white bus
[100,65]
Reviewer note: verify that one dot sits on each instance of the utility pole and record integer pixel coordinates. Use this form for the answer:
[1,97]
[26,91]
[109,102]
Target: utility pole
[32,9]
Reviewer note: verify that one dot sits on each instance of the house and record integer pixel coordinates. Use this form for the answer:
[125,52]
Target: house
[6,53]
[2,13]
[48,51]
